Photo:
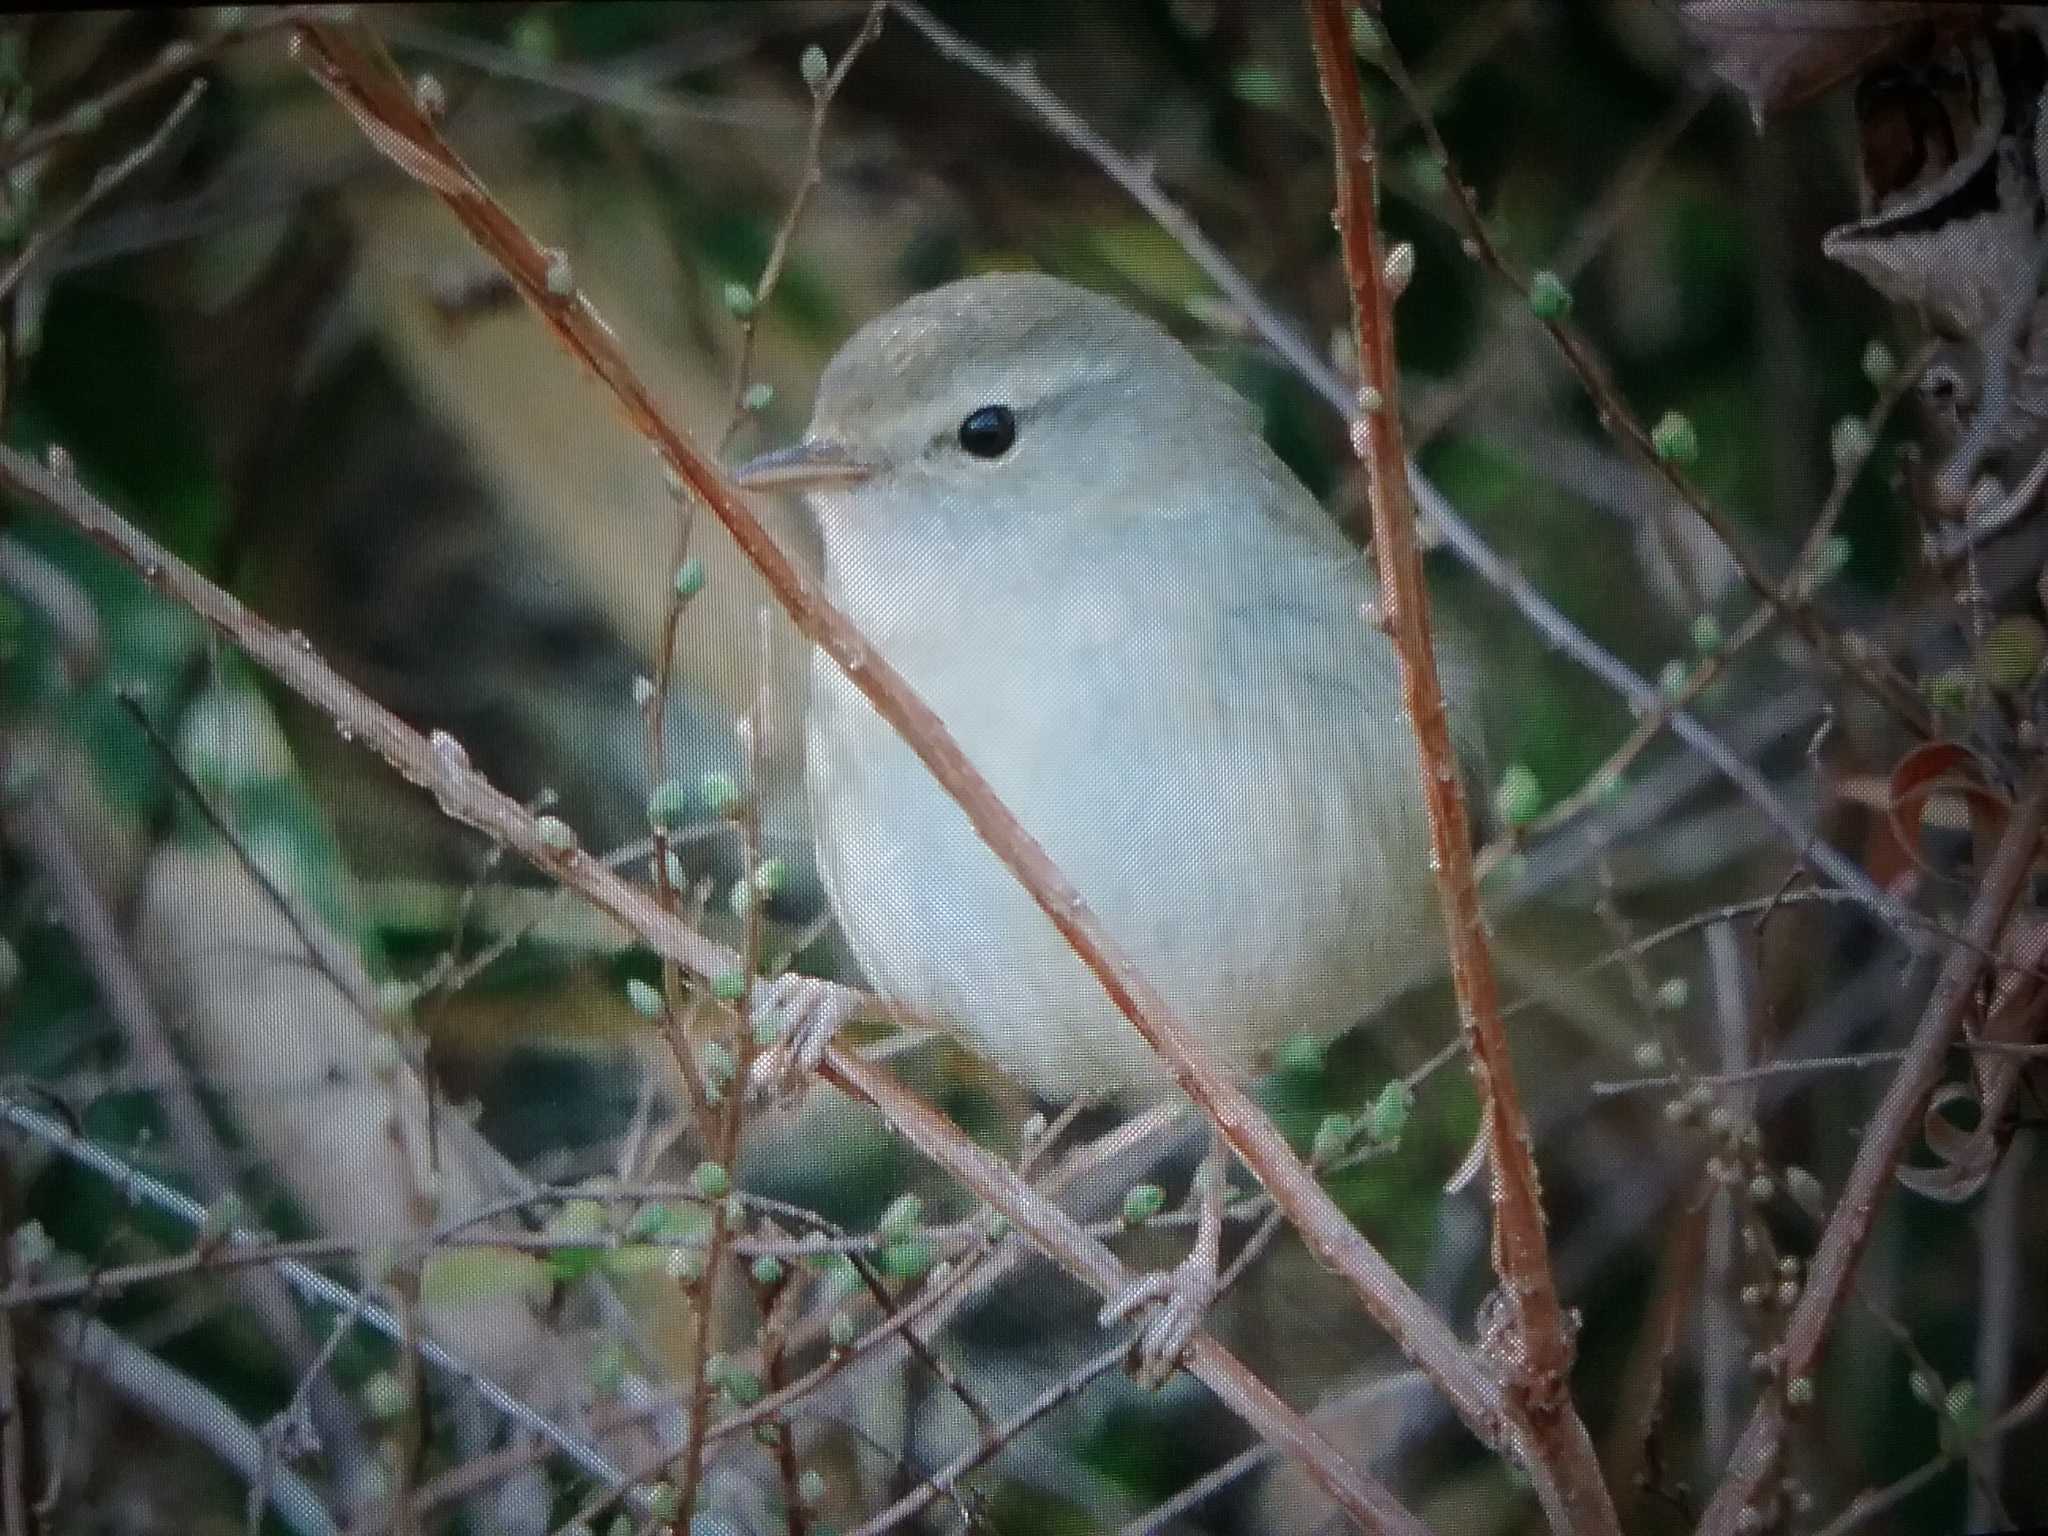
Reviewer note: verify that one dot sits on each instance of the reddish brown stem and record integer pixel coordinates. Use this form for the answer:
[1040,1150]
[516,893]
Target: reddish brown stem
[1538,1359]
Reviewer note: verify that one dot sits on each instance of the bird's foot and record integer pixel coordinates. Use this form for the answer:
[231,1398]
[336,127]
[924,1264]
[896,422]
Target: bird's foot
[808,1014]
[1178,1299]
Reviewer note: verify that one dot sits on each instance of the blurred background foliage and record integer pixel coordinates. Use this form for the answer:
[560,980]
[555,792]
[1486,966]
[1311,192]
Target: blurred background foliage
[287,363]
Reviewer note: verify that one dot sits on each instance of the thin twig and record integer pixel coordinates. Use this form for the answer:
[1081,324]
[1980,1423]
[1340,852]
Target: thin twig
[1883,1141]
[809,179]
[105,182]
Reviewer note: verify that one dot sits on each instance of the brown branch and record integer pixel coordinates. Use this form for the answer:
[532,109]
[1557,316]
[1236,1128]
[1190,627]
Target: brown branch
[1883,1142]
[1539,1354]
[365,84]
[468,797]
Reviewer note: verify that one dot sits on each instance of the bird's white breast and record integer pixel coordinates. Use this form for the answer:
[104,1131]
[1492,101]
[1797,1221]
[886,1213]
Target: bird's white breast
[1215,757]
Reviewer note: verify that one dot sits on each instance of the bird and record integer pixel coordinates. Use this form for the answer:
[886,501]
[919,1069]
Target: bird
[1073,542]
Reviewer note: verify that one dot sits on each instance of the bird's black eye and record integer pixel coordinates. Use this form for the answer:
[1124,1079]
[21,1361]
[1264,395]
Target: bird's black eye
[988,432]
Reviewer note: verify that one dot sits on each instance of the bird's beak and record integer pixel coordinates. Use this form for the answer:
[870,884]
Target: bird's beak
[813,464]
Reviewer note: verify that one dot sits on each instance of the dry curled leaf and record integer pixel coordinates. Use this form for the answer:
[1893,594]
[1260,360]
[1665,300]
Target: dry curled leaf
[1947,769]
[1781,53]
[2019,1007]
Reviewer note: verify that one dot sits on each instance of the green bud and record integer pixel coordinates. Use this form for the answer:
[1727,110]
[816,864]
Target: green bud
[1962,1409]
[1388,1117]
[1518,800]
[1706,634]
[30,1248]
[1850,442]
[1648,1056]
[222,1217]
[643,692]
[669,805]
[606,1369]
[1332,1137]
[758,397]
[1675,439]
[1672,679]
[1806,1192]
[729,986]
[556,834]
[689,578]
[710,1180]
[739,300]
[718,1064]
[1367,36]
[651,1220]
[721,794]
[1799,1392]
[741,1385]
[663,1502]
[534,37]
[1142,1202]
[908,1259]
[1302,1054]
[384,1397]
[900,1220]
[646,999]
[767,1270]
[1258,86]
[770,875]
[1879,365]
[1835,552]
[841,1330]
[1673,993]
[1951,690]
[811,1487]
[1426,171]
[814,67]
[1397,268]
[1549,298]
[2012,652]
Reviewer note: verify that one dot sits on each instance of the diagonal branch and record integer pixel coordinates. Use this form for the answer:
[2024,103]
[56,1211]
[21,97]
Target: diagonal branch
[1539,1351]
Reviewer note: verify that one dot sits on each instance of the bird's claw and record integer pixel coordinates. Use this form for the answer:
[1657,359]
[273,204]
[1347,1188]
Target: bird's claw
[1178,1299]
[809,1013]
